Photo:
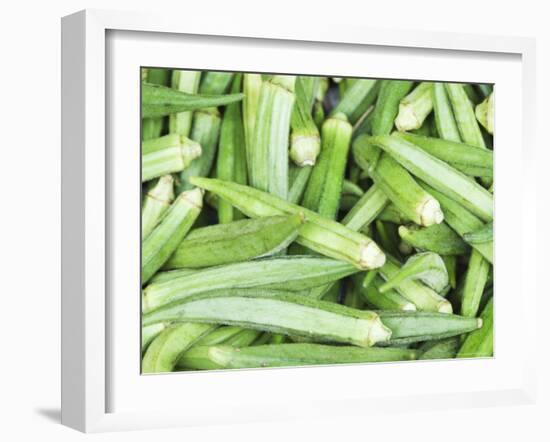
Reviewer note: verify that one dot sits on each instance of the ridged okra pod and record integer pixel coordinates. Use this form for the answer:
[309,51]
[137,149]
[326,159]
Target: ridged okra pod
[268,158]
[357,99]
[409,327]
[440,349]
[415,107]
[462,221]
[387,105]
[287,314]
[153,127]
[156,202]
[438,174]
[183,81]
[444,117]
[485,113]
[298,354]
[470,160]
[169,154]
[389,300]
[298,179]
[305,142]
[396,182]
[474,284]
[165,350]
[425,298]
[159,101]
[319,234]
[163,240]
[287,273]
[439,238]
[464,114]
[252,85]
[479,343]
[324,187]
[231,161]
[364,212]
[235,242]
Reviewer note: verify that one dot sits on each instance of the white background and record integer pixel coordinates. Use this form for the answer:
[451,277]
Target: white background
[29,173]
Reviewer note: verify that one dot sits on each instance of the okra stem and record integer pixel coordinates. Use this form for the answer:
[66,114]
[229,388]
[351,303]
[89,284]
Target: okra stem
[389,300]
[183,81]
[168,154]
[415,107]
[444,118]
[387,105]
[439,238]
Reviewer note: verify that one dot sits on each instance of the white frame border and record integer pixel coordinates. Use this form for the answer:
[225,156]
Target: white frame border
[84,198]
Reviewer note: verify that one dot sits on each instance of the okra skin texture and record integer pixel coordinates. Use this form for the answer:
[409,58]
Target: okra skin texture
[213,82]
[462,221]
[357,99]
[423,297]
[415,107]
[183,81]
[298,184]
[153,127]
[165,350]
[163,240]
[156,203]
[444,117]
[485,113]
[479,343]
[387,105]
[171,159]
[470,160]
[289,273]
[159,101]
[252,85]
[409,327]
[235,242]
[324,187]
[301,354]
[231,154]
[396,182]
[305,141]
[286,314]
[440,239]
[268,167]
[367,209]
[441,349]
[149,333]
[390,300]
[464,115]
[438,174]
[319,234]
[476,278]
[206,132]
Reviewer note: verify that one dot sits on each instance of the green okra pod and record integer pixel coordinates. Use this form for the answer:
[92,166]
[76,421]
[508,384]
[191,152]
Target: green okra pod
[214,82]
[159,101]
[153,127]
[444,118]
[464,115]
[165,350]
[365,211]
[479,343]
[437,174]
[470,160]
[268,157]
[461,221]
[319,234]
[387,105]
[450,263]
[415,107]
[324,187]
[389,300]
[474,284]
[396,182]
[298,183]
[409,327]
[439,238]
[289,273]
[252,85]
[183,81]
[296,354]
[440,349]
[485,113]
[163,240]
[427,267]
[235,242]
[155,203]
[169,154]
[481,235]
[149,333]
[305,142]
[231,161]
[286,314]
[392,214]
[357,99]
[425,298]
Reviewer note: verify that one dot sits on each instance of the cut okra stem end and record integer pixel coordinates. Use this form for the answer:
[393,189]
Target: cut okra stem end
[304,149]
[431,213]
[445,307]
[189,150]
[371,256]
[378,333]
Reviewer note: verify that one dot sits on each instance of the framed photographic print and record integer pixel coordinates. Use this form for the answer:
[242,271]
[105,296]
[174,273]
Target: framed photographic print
[266,222]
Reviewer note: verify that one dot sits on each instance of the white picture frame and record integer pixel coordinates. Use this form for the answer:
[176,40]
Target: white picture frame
[91,320]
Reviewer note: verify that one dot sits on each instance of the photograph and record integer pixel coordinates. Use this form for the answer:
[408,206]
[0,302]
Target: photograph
[296,220]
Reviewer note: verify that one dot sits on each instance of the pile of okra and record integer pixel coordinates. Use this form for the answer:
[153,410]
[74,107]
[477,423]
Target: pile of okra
[301,220]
